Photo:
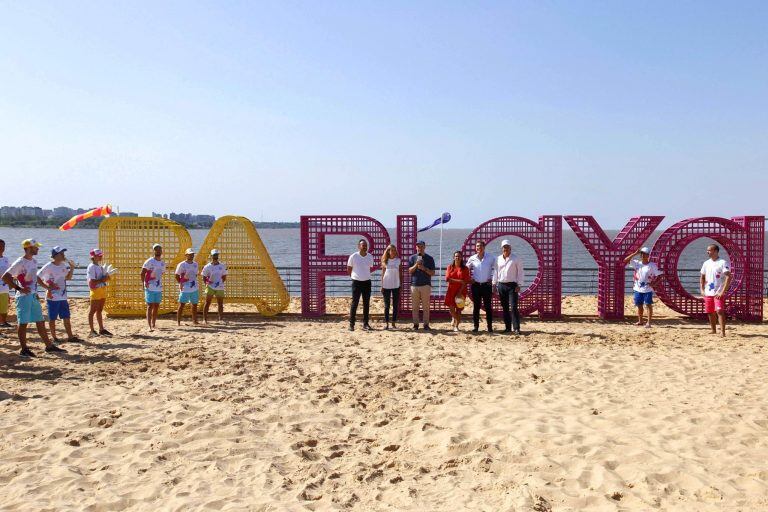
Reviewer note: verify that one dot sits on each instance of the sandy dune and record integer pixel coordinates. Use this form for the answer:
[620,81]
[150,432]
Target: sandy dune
[286,414]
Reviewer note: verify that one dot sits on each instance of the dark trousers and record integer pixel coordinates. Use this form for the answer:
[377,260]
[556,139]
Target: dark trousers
[508,297]
[482,291]
[360,288]
[391,296]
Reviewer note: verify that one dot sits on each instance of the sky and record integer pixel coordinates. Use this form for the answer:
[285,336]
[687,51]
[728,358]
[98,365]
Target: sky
[277,109]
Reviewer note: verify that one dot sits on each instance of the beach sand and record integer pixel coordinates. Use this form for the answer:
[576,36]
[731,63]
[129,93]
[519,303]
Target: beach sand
[282,413]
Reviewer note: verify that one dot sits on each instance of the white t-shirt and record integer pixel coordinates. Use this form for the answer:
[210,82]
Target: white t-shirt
[187,273]
[714,275]
[212,275]
[153,279]
[24,271]
[94,273]
[55,274]
[392,274]
[361,266]
[644,274]
[4,264]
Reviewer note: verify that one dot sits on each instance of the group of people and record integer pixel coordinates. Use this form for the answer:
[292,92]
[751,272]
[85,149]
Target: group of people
[481,275]
[23,277]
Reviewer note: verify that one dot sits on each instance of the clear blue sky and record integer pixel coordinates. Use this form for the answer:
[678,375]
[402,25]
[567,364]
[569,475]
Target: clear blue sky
[380,108]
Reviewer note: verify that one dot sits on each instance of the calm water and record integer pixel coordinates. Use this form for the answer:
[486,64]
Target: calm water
[284,245]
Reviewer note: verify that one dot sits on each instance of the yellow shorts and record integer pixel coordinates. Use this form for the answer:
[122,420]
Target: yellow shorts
[3,303]
[99,293]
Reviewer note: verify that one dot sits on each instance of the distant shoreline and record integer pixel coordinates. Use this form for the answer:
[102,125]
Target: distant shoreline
[94,224]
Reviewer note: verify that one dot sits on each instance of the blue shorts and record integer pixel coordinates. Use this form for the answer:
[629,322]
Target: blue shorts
[189,297]
[153,297]
[28,309]
[643,298]
[58,309]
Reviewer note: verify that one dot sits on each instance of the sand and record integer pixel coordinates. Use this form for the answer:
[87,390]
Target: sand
[282,413]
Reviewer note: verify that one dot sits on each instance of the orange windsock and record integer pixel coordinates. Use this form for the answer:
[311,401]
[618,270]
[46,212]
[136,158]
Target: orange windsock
[101,211]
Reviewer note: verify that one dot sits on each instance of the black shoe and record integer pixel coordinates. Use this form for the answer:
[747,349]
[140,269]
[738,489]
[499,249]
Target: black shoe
[93,334]
[415,327]
[351,327]
[475,329]
[74,339]
[386,327]
[427,327]
[104,332]
[507,331]
[26,353]
[54,348]
[367,327]
[490,331]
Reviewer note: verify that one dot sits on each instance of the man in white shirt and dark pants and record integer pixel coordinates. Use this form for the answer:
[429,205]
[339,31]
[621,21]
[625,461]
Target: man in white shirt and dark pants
[359,269]
[481,268]
[509,277]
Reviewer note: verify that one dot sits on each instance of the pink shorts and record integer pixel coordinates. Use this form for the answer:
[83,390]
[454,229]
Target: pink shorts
[712,304]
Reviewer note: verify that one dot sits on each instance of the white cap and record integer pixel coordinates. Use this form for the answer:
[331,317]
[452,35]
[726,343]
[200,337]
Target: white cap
[645,250]
[155,246]
[214,252]
[505,242]
[189,251]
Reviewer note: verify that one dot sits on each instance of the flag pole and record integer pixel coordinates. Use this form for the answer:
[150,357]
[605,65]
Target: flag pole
[440,289]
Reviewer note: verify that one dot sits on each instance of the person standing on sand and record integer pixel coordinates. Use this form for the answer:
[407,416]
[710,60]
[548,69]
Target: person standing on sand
[152,281]
[646,275]
[214,276]
[189,292]
[714,283]
[458,278]
[22,277]
[482,267]
[359,269]
[390,283]
[421,266]
[97,284]
[4,290]
[53,277]
[509,278]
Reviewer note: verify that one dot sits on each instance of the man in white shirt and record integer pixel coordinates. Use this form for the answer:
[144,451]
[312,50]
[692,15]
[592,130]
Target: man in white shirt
[4,290]
[215,276]
[152,279]
[481,267]
[359,269]
[189,290]
[715,280]
[508,277]
[53,277]
[22,277]
[646,275]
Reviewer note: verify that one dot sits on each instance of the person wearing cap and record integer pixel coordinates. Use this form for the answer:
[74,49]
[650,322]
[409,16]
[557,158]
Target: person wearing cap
[22,277]
[189,291]
[645,277]
[214,276]
[4,290]
[53,278]
[359,269]
[421,267]
[152,279]
[481,267]
[97,284]
[508,278]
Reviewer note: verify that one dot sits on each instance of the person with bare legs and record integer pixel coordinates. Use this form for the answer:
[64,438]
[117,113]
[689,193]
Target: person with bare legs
[189,292]
[214,276]
[22,277]
[97,284]
[53,277]
[646,275]
[5,297]
[457,275]
[152,280]
[714,283]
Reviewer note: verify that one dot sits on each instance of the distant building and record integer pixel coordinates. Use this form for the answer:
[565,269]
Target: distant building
[9,211]
[128,214]
[31,211]
[47,214]
[63,212]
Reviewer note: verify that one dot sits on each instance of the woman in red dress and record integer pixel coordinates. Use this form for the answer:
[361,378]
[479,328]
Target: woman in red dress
[457,275]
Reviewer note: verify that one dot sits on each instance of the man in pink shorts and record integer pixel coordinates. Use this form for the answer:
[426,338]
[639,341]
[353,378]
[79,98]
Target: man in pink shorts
[714,282]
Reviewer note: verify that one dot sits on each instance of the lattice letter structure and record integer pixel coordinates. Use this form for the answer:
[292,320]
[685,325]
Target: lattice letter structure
[251,276]
[546,238]
[609,255]
[407,236]
[127,243]
[742,237]
[316,265]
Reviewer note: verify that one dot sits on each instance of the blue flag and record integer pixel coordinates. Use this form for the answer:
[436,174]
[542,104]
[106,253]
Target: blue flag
[442,220]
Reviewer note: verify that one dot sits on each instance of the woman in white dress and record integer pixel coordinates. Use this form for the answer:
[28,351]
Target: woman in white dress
[390,283]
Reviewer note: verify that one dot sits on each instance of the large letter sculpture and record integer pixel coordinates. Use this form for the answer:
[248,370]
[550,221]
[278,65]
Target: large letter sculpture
[742,237]
[609,255]
[546,238]
[252,277]
[127,243]
[407,233]
[316,265]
